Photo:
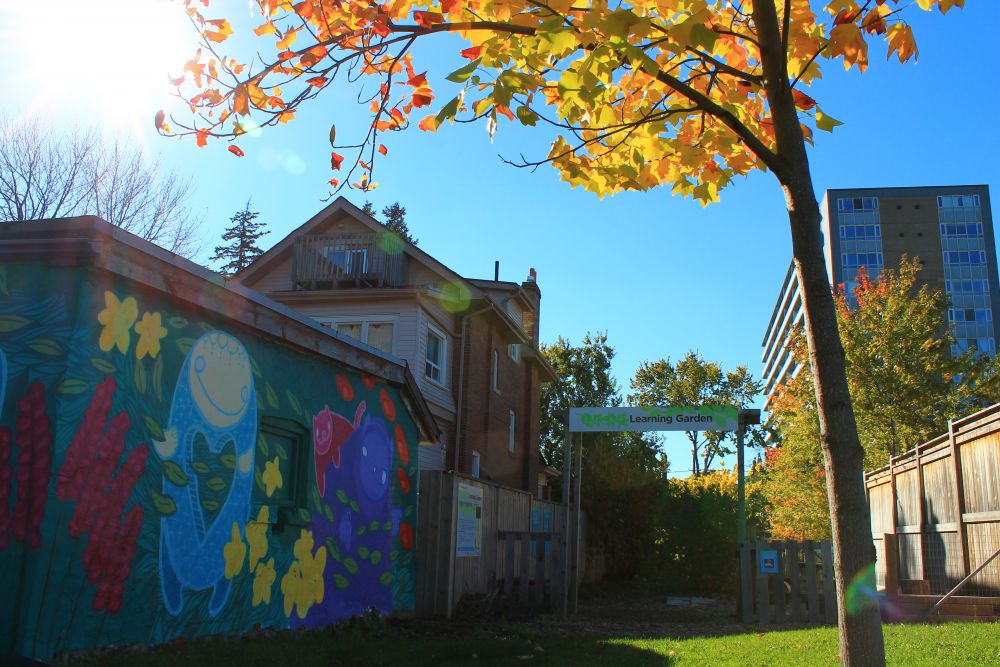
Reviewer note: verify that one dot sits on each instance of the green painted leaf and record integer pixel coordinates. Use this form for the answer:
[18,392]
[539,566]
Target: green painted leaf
[10,323]
[375,557]
[463,73]
[407,558]
[314,496]
[305,516]
[394,554]
[342,497]
[140,376]
[333,549]
[46,346]
[373,526]
[362,530]
[386,578]
[210,505]
[293,402]
[351,565]
[327,512]
[354,506]
[280,450]
[103,365]
[228,461]
[408,511]
[363,552]
[73,386]
[175,473]
[200,467]
[177,322]
[259,480]
[262,445]
[216,484]
[255,367]
[272,398]
[158,377]
[164,504]
[387,526]
[340,580]
[185,344]
[154,429]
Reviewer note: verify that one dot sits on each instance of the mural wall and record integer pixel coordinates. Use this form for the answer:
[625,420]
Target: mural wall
[166,474]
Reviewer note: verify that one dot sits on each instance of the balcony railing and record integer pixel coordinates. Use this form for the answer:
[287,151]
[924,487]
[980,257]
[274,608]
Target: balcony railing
[348,260]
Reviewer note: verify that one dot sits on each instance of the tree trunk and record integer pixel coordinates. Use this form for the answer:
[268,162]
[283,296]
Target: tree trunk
[860,630]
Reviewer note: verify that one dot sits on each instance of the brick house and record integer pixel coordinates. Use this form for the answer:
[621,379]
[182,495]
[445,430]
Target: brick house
[472,344]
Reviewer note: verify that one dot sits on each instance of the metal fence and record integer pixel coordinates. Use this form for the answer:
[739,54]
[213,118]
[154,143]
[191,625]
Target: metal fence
[935,511]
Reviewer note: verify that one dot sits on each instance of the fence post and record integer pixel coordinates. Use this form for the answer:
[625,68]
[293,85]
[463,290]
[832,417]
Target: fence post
[763,593]
[508,566]
[779,579]
[566,527]
[746,581]
[575,571]
[524,581]
[959,496]
[793,572]
[891,556]
[829,585]
[812,590]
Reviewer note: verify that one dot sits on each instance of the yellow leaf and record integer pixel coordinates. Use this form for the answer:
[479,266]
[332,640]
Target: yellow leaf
[241,100]
[846,41]
[901,42]
[824,122]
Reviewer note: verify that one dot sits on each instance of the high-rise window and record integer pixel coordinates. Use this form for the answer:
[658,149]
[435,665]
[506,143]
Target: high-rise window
[860,232]
[963,249]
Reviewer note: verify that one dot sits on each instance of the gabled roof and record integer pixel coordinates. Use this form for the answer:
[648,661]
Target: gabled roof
[341,205]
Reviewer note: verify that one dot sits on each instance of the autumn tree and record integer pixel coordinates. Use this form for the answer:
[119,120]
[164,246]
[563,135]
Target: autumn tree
[395,219]
[243,235]
[906,381]
[47,172]
[683,93]
[692,380]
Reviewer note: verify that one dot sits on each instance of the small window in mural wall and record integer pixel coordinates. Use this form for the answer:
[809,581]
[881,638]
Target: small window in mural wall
[161,473]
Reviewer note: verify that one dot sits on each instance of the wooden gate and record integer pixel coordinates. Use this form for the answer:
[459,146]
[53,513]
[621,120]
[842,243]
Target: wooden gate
[787,582]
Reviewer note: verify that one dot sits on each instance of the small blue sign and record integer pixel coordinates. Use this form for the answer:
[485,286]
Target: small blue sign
[768,561]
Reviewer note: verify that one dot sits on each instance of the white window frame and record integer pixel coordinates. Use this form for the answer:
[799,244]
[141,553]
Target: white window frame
[495,366]
[443,365]
[514,352]
[476,462]
[364,320]
[512,433]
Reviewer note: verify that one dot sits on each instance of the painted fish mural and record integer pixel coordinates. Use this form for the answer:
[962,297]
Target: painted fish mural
[214,397]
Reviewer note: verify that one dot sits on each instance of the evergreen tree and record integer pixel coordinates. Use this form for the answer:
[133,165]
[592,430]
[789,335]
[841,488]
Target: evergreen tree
[243,235]
[395,219]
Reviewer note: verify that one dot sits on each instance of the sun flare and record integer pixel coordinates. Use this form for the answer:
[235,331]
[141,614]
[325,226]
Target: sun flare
[99,60]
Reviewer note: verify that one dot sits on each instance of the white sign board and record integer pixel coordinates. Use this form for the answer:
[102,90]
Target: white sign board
[662,418]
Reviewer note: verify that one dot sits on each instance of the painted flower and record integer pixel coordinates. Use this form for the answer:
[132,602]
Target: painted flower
[263,580]
[257,538]
[272,477]
[150,330]
[302,585]
[234,552]
[117,318]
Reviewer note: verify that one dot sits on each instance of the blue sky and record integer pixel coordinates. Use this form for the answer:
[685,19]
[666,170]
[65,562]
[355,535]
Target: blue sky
[660,274]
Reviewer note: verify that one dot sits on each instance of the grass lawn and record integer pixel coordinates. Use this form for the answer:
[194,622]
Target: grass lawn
[398,644]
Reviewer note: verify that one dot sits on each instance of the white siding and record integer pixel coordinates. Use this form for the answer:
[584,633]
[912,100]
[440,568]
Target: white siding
[432,391]
[278,279]
[404,314]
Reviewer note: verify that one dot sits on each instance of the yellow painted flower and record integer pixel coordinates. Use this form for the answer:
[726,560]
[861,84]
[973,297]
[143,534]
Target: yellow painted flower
[117,318]
[302,586]
[272,477]
[291,585]
[150,330]
[262,582]
[234,552]
[257,537]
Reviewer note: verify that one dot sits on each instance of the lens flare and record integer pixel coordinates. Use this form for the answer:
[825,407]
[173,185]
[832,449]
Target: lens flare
[861,593]
[390,243]
[454,297]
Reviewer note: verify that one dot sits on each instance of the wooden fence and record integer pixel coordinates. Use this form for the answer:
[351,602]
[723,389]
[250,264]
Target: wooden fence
[935,511]
[784,582]
[520,549]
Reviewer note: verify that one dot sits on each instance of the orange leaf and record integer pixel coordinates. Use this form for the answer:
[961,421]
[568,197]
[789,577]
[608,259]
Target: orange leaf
[471,53]
[428,124]
[505,111]
[334,182]
[288,39]
[844,16]
[176,82]
[236,150]
[241,100]
[265,29]
[317,81]
[422,97]
[427,19]
[448,6]
[901,42]
[304,9]
[418,80]
[802,100]
[383,150]
[285,55]
[201,138]
[336,160]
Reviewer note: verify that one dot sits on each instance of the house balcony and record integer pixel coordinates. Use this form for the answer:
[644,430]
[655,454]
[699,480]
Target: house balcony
[342,261]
